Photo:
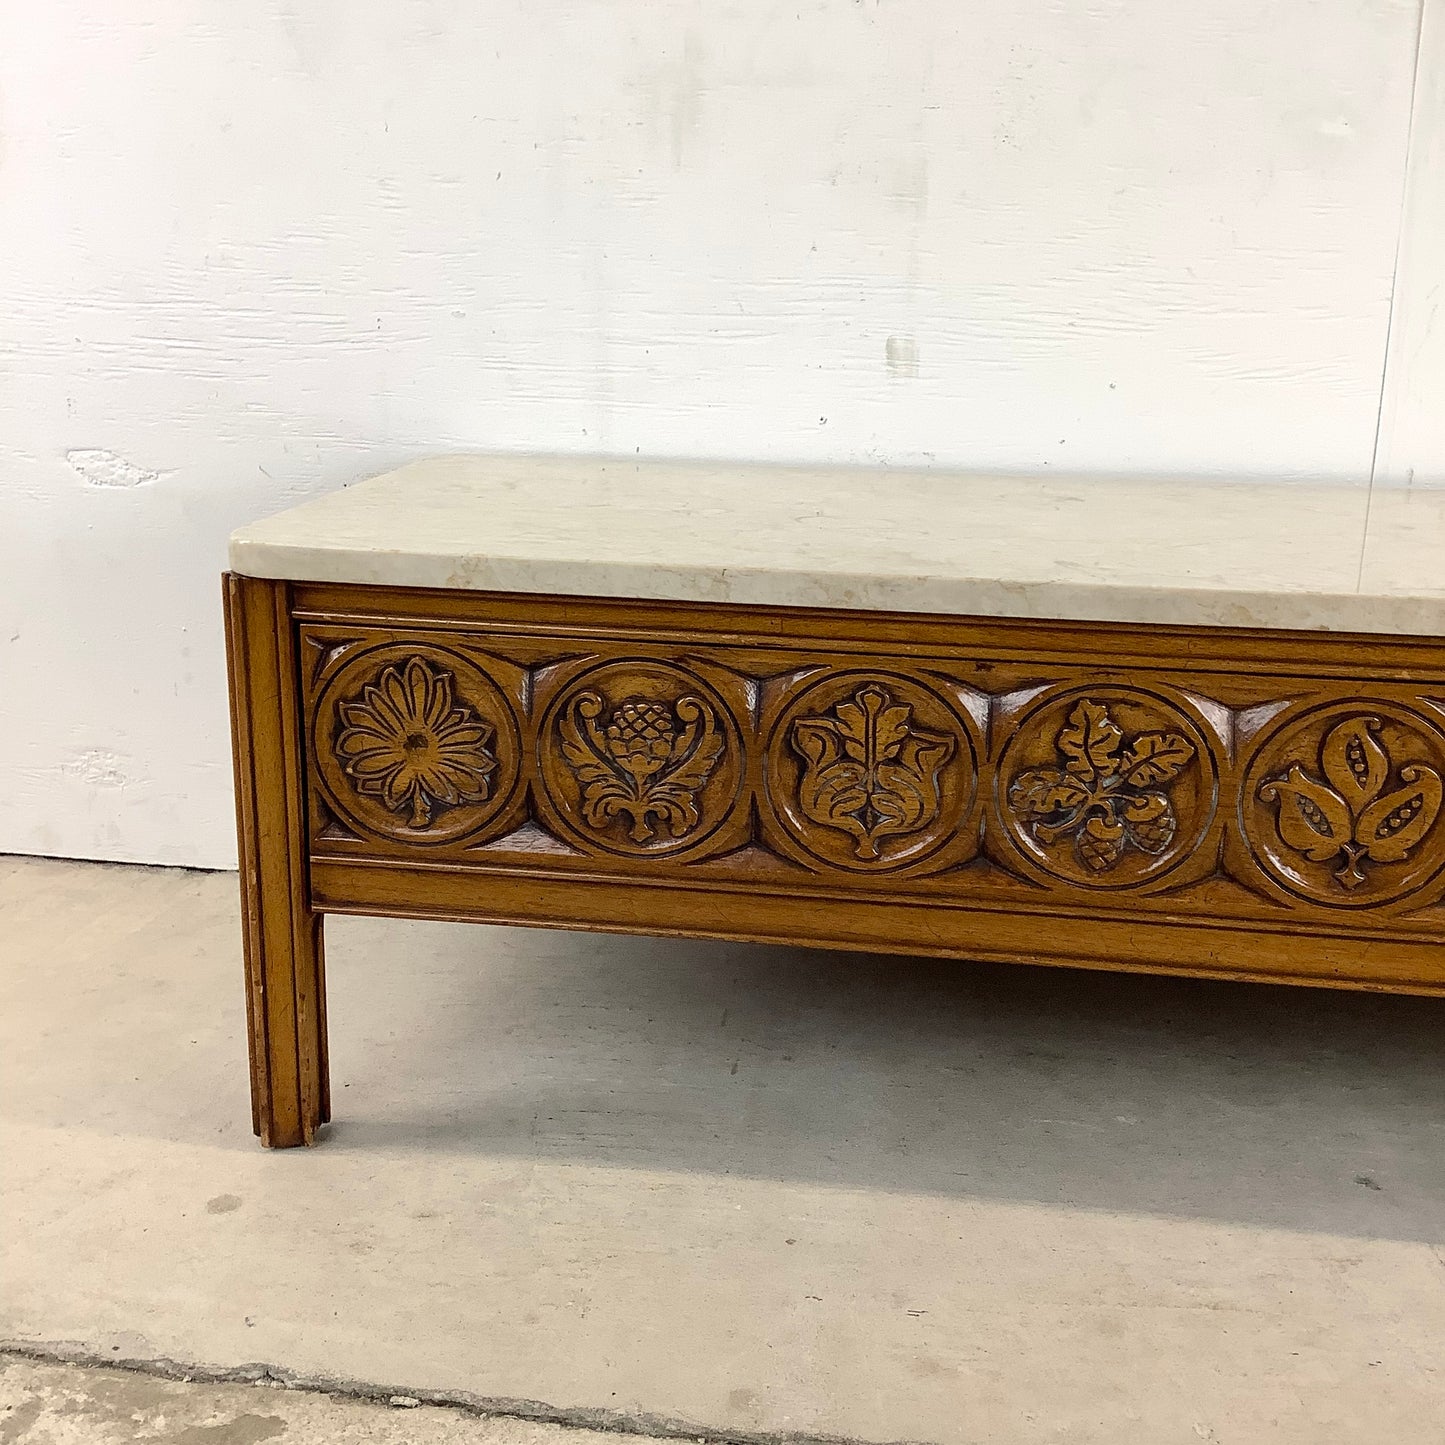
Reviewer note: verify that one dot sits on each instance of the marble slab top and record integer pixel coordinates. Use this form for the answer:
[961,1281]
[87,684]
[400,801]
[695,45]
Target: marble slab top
[1276,555]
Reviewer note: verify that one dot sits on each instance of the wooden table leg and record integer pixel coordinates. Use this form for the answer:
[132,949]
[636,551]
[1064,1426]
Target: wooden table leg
[285,972]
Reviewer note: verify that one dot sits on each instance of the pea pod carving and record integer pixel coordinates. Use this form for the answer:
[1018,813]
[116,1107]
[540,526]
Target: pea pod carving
[1352,814]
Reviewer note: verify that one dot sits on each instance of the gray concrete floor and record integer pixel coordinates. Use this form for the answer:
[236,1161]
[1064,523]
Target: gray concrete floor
[44,1403]
[728,1190]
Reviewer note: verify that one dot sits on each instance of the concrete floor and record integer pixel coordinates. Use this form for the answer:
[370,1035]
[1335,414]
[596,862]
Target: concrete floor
[42,1403]
[715,1189]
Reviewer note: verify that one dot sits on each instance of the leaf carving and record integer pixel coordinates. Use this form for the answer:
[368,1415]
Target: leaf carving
[906,798]
[1354,763]
[835,793]
[1312,819]
[871,720]
[1394,824]
[699,749]
[585,751]
[1155,758]
[869,772]
[1107,797]
[1041,791]
[1091,742]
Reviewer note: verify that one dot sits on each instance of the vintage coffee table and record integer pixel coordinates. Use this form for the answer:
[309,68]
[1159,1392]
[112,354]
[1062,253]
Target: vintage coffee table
[1187,729]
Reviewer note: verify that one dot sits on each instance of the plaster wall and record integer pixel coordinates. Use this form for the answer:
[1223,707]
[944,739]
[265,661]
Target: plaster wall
[250,252]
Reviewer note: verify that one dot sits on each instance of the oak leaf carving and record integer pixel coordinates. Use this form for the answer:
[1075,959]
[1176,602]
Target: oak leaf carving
[1107,796]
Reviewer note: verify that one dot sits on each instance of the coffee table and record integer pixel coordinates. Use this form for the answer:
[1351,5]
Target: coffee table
[1184,728]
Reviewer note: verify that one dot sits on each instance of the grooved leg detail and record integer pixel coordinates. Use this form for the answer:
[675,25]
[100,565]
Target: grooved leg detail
[285,973]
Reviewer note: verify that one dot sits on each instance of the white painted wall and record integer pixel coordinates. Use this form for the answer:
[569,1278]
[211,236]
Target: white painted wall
[250,251]
[1411,447]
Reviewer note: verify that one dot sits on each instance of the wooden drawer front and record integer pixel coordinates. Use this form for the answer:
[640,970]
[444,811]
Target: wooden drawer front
[1097,771]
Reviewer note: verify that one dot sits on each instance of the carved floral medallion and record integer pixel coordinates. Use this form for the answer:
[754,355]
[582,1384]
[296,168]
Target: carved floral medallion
[1107,787]
[871,771]
[406,741]
[640,758]
[1108,794]
[1342,805]
[414,745]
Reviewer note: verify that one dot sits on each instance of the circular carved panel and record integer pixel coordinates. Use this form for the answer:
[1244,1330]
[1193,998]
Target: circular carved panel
[870,771]
[1341,803]
[1106,787]
[640,758]
[415,744]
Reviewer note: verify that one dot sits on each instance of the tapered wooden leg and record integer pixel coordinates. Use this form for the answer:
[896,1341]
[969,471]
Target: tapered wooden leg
[285,972]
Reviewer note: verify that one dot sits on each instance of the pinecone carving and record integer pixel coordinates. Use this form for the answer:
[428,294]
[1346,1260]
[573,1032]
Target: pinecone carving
[640,737]
[644,761]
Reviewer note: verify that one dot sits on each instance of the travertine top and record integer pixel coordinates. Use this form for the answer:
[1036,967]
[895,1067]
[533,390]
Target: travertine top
[1230,554]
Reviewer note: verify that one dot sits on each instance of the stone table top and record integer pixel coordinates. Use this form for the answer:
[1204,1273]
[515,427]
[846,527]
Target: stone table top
[1237,554]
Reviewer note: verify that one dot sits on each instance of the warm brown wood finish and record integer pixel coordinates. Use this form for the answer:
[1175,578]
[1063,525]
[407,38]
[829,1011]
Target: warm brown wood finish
[1230,803]
[285,978]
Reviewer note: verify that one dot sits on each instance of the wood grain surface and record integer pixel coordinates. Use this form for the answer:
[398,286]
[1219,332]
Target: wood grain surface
[1216,802]
[1279,793]
[285,969]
